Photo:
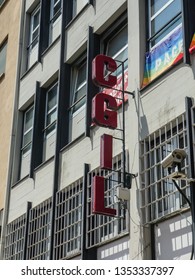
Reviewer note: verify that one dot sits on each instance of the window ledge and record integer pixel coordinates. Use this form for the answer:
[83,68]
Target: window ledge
[77,15]
[79,138]
[50,46]
[29,69]
[20,181]
[44,163]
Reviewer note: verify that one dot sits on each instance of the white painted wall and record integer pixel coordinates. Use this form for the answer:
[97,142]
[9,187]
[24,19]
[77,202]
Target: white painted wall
[116,250]
[33,190]
[173,238]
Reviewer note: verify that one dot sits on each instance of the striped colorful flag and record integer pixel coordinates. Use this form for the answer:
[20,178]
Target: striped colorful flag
[192,45]
[162,57]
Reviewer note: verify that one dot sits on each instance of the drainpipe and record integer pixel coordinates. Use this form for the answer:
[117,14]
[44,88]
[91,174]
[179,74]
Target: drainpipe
[12,136]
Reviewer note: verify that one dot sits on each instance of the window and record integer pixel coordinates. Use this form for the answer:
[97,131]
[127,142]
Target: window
[26,142]
[34,36]
[14,239]
[164,17]
[78,5]
[55,19]
[50,122]
[117,47]
[104,228]
[3,51]
[68,221]
[2,2]
[39,231]
[159,197]
[78,98]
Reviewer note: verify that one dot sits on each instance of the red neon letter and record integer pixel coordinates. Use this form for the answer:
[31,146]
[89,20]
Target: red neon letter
[102,116]
[99,64]
[106,151]
[98,206]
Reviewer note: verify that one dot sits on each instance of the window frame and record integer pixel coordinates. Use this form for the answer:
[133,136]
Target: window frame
[106,42]
[165,26]
[2,3]
[68,221]
[100,228]
[74,89]
[159,197]
[53,17]
[74,7]
[31,40]
[53,109]
[29,143]
[3,48]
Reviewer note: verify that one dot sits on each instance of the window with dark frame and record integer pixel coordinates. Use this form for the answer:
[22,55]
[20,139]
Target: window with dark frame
[159,197]
[68,221]
[34,36]
[164,16]
[50,121]
[26,141]
[79,86]
[78,98]
[78,5]
[117,47]
[102,228]
[3,52]
[15,238]
[34,28]
[55,25]
[2,2]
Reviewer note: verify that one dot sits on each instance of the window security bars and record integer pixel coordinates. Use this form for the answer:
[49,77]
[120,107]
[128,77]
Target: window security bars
[38,242]
[68,221]
[67,239]
[159,196]
[100,228]
[14,239]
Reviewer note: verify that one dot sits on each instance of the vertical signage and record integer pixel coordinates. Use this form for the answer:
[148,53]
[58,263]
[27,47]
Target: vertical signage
[104,114]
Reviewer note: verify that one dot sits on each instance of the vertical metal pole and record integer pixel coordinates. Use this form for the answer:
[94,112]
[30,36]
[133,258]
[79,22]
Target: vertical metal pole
[84,214]
[191,174]
[123,129]
[29,206]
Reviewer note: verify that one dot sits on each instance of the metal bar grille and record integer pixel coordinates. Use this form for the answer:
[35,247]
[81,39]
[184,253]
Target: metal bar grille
[159,196]
[14,239]
[101,228]
[39,231]
[67,238]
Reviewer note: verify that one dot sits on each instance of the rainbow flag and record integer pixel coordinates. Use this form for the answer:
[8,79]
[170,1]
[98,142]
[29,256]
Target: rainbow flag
[163,56]
[192,45]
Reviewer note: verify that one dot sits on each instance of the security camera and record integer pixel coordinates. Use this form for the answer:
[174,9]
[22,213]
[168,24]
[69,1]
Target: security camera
[174,158]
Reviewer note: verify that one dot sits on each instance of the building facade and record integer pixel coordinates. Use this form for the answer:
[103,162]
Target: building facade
[56,157]
[9,42]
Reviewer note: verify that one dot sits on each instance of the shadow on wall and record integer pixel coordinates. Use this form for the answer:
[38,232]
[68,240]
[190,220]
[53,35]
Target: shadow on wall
[118,250]
[142,120]
[173,238]
[193,63]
